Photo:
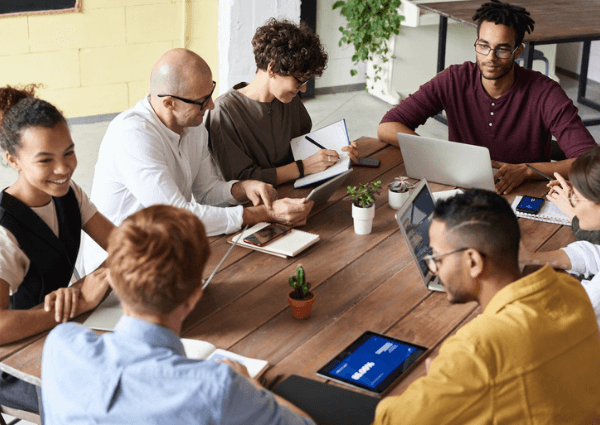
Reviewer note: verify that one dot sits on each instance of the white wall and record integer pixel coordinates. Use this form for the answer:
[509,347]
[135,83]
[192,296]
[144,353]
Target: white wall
[568,57]
[340,58]
[238,20]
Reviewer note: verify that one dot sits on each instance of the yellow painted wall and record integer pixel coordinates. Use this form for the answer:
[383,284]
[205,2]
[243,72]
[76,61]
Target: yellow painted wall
[99,61]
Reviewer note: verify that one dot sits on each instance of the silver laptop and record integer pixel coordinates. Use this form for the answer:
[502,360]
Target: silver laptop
[414,218]
[450,163]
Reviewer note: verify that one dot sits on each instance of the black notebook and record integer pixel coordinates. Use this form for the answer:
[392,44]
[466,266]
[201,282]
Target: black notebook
[328,404]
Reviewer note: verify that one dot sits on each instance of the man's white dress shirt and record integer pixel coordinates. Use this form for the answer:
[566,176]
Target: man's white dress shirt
[141,163]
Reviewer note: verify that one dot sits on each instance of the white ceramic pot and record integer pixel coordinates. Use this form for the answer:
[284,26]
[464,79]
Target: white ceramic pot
[363,219]
[396,199]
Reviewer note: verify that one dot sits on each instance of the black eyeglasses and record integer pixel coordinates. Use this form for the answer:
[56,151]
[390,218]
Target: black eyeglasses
[500,52]
[201,103]
[301,83]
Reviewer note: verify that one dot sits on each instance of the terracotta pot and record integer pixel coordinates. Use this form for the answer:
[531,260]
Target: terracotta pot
[301,308]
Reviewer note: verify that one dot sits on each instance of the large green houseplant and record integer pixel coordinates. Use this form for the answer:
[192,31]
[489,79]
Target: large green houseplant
[370,25]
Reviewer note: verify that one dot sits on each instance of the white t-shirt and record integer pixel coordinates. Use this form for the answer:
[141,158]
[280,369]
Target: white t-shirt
[585,260]
[141,162]
[14,264]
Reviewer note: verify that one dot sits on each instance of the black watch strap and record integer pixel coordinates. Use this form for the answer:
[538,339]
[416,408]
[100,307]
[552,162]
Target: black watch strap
[300,167]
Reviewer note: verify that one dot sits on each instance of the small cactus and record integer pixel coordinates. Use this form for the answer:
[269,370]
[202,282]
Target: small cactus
[298,283]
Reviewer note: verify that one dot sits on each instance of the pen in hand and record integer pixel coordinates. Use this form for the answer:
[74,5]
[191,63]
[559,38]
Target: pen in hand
[315,143]
[539,172]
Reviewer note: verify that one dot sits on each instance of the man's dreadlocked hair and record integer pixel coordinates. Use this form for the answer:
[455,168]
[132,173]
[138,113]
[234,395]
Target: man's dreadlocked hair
[515,17]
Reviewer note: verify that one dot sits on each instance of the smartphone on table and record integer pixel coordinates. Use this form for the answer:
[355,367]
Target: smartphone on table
[367,162]
[530,205]
[267,234]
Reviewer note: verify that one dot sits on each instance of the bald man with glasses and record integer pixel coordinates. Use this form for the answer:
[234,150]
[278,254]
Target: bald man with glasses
[157,153]
[512,111]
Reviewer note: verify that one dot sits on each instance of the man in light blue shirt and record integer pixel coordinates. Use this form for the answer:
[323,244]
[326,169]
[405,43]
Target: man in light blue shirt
[140,374]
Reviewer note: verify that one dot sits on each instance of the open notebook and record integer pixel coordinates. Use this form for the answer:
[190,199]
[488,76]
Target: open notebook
[202,350]
[334,137]
[549,213]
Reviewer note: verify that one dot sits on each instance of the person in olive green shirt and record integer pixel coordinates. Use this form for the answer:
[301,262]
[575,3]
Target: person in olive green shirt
[531,356]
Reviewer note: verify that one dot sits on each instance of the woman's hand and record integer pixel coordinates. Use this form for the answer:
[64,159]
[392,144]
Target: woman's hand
[352,150]
[560,192]
[320,161]
[79,298]
[64,302]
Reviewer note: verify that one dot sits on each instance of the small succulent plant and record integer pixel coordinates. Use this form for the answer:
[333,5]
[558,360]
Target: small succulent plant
[400,185]
[363,196]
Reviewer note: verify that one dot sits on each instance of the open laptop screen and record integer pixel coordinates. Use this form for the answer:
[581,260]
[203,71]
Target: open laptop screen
[415,219]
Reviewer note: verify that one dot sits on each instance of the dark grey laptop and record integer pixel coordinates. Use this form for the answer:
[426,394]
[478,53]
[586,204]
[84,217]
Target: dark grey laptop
[414,219]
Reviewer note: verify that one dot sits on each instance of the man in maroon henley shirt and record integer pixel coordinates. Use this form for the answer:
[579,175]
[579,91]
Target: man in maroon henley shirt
[512,111]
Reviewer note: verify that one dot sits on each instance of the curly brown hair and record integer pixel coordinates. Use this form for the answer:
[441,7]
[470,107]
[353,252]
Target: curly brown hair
[156,258]
[289,48]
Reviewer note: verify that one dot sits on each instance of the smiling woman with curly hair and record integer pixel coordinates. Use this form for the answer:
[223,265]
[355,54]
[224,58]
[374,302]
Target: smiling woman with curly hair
[252,124]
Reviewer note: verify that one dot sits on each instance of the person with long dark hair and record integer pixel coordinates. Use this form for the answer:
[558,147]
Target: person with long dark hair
[582,196]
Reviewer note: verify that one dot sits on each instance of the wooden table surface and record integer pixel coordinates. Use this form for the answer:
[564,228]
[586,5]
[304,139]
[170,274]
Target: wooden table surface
[361,283]
[554,19]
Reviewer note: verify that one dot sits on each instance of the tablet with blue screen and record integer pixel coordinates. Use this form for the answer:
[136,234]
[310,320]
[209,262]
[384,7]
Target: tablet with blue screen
[372,362]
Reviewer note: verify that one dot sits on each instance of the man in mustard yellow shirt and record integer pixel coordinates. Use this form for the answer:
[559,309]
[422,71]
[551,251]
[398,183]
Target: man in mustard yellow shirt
[532,356]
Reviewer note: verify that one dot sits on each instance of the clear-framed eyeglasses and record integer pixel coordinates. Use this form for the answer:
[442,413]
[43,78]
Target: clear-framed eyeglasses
[500,52]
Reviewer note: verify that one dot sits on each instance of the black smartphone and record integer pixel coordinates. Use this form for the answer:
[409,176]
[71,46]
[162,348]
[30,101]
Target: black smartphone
[267,234]
[367,162]
[530,205]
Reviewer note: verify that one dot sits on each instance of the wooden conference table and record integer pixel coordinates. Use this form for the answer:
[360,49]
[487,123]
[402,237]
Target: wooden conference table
[361,283]
[556,21]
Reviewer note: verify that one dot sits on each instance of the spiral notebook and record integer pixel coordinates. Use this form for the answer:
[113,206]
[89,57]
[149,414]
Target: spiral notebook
[549,213]
[286,246]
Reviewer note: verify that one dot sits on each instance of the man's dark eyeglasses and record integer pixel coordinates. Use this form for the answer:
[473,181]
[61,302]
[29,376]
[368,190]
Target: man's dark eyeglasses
[301,83]
[201,103]
[499,52]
